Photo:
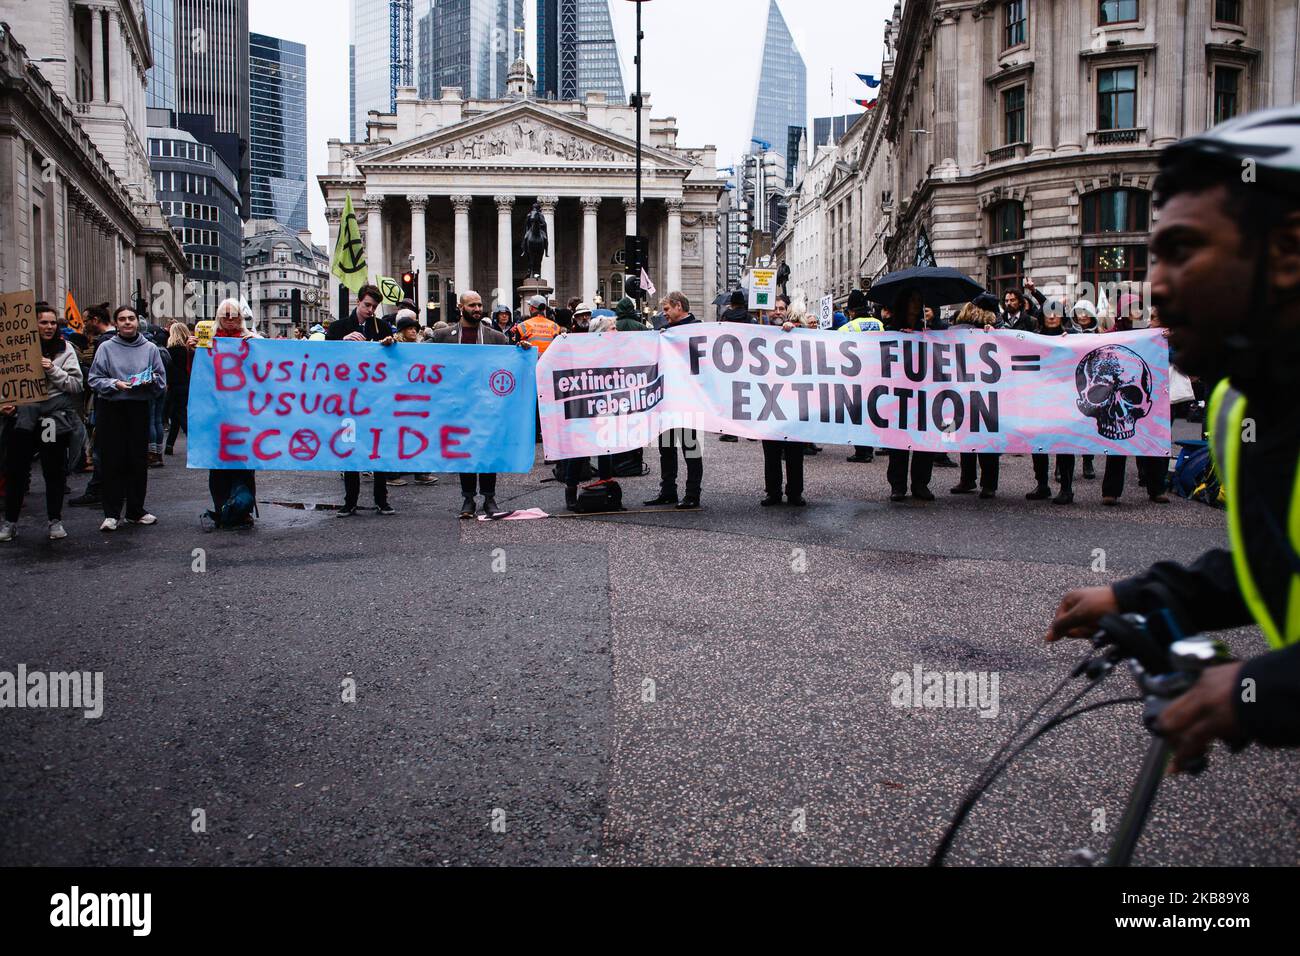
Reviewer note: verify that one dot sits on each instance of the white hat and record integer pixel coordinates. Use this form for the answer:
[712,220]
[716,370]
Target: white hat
[582,307]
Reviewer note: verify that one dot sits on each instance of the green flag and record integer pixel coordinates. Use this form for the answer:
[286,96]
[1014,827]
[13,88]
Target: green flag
[349,262]
[390,290]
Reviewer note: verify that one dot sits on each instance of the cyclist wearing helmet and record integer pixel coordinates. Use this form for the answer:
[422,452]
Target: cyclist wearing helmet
[1230,220]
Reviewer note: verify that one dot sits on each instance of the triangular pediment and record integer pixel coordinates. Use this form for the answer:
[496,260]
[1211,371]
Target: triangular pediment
[522,133]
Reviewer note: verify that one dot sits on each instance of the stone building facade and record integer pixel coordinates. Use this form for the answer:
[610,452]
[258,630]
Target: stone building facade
[277,263]
[75,193]
[1015,139]
[446,185]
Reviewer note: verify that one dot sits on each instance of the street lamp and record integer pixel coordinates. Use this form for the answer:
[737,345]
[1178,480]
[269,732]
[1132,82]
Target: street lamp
[636,211]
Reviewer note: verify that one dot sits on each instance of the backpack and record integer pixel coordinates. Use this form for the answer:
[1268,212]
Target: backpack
[599,496]
[236,510]
[630,464]
[1195,477]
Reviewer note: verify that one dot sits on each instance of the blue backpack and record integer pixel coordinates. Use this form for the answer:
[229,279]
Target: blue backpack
[236,510]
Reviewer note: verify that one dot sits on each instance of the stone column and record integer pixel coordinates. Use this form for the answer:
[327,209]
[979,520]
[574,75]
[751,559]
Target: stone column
[673,277]
[629,209]
[461,206]
[505,251]
[1196,111]
[332,219]
[1169,77]
[116,75]
[590,208]
[418,204]
[709,251]
[374,236]
[98,54]
[1070,104]
[1043,108]
[548,263]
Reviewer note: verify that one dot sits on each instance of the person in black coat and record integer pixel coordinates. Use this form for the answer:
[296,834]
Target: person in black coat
[1053,324]
[677,310]
[908,316]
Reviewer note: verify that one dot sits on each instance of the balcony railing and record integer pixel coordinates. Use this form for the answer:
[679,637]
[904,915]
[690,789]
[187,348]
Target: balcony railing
[1113,137]
[1003,153]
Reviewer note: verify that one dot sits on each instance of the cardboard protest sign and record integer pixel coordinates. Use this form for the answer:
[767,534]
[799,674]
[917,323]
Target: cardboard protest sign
[22,379]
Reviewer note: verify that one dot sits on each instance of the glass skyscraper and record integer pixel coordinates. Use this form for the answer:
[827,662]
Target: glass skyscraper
[160,93]
[370,79]
[576,50]
[277,71]
[468,44]
[782,85]
[212,80]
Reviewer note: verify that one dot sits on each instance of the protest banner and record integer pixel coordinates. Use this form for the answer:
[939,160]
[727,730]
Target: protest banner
[353,406]
[22,379]
[950,391]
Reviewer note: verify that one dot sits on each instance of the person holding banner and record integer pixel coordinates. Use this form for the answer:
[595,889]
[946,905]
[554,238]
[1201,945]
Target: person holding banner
[792,452]
[227,483]
[908,317]
[364,324]
[860,320]
[43,430]
[472,330]
[677,310]
[126,373]
[978,315]
[1053,324]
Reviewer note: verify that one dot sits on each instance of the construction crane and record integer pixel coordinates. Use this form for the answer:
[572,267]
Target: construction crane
[400,30]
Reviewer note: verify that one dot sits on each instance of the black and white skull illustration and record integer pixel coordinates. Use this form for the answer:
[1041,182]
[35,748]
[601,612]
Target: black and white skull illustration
[1114,385]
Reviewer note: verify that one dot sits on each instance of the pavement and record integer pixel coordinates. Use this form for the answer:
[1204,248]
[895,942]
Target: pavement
[704,687]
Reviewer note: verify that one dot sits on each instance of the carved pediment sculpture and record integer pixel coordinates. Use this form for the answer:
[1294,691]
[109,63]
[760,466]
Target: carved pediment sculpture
[520,139]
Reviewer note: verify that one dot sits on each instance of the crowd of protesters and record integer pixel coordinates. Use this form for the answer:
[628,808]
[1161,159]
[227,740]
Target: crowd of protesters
[117,399]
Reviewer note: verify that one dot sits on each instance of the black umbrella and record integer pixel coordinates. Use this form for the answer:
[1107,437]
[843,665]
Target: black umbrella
[938,285]
[723,298]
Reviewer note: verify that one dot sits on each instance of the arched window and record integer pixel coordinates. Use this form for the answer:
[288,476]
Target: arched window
[1006,265]
[1115,224]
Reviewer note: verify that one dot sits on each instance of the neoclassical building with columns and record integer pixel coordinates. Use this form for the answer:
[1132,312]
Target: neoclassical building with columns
[445,186]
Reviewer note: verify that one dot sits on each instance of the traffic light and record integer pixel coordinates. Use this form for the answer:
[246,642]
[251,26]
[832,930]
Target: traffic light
[295,306]
[634,249]
[409,282]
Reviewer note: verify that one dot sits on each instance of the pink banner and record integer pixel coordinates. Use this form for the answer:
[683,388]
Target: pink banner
[959,390]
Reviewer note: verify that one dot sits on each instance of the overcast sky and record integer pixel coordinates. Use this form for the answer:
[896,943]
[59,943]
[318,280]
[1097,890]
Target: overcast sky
[701,62]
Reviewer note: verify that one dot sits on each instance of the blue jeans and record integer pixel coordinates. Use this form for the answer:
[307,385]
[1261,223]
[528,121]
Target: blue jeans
[157,430]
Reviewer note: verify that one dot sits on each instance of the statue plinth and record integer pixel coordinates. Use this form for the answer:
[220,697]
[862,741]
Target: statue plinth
[530,287]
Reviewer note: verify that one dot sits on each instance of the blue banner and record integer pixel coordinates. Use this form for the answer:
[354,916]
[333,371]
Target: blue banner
[351,406]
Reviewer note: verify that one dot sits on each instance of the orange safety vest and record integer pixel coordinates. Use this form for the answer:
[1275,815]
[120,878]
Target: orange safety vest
[538,331]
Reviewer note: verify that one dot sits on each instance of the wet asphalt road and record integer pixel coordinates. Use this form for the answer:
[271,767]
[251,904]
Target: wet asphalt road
[700,687]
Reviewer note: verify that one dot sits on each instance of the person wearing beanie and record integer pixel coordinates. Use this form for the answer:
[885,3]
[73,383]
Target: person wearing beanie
[407,328]
[737,311]
[626,318]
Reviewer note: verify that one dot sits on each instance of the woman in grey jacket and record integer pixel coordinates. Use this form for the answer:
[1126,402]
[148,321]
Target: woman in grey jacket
[126,373]
[44,428]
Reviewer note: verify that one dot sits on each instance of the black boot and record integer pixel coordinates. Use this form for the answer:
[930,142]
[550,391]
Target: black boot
[1041,493]
[490,506]
[468,508]
[666,497]
[571,497]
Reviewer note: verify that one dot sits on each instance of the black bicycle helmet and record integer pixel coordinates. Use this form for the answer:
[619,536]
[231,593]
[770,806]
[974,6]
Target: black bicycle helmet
[1270,138]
